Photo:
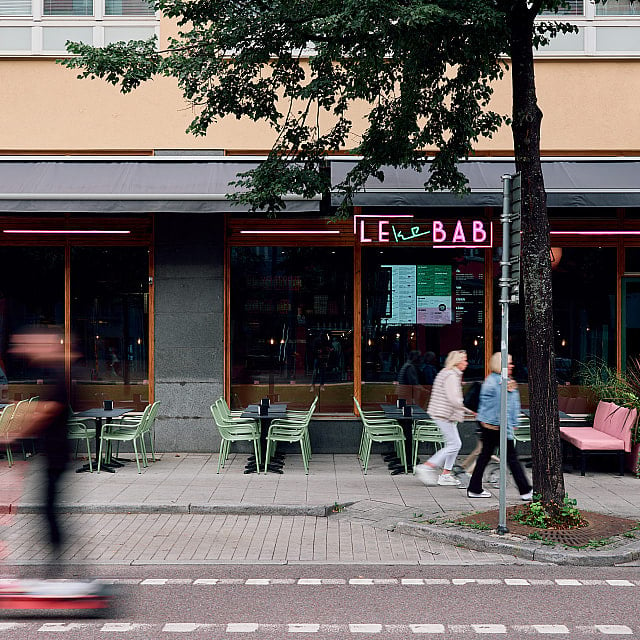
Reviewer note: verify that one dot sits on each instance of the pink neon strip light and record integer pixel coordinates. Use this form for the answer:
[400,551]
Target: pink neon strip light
[63,231]
[595,233]
[292,232]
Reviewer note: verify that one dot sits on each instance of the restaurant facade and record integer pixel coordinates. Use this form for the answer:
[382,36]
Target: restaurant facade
[115,226]
[167,291]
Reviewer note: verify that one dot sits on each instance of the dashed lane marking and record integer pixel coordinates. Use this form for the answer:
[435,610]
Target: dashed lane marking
[368,582]
[358,629]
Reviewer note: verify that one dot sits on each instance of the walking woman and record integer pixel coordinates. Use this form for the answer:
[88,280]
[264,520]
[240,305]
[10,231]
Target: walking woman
[446,407]
[489,420]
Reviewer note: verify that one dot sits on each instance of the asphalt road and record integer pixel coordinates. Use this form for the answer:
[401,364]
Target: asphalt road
[347,601]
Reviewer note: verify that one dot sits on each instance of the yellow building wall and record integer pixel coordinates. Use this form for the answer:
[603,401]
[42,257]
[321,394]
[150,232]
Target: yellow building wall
[590,107]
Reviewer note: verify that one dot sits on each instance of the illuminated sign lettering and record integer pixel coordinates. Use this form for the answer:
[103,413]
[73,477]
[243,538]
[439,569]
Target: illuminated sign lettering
[435,233]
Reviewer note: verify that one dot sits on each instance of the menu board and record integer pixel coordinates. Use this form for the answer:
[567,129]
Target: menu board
[420,294]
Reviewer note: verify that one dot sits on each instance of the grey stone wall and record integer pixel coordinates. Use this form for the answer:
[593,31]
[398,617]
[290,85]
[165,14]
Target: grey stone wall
[189,328]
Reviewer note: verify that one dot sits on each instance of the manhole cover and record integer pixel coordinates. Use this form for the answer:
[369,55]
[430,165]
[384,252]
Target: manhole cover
[598,526]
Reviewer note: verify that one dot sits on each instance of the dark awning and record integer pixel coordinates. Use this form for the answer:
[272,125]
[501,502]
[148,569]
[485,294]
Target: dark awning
[580,182]
[125,185]
[186,184]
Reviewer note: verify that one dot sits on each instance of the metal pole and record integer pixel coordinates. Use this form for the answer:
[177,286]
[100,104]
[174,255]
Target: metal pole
[505,282]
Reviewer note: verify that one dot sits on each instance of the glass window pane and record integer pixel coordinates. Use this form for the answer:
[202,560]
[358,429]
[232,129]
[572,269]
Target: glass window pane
[110,326]
[425,300]
[31,294]
[15,7]
[67,8]
[618,8]
[292,326]
[128,8]
[569,8]
[584,316]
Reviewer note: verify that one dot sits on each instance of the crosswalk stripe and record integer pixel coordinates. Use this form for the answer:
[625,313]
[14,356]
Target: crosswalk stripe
[365,628]
[427,628]
[303,628]
[489,628]
[550,628]
[614,629]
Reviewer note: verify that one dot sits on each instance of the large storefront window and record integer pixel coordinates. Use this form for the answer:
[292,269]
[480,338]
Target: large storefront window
[584,314]
[31,295]
[292,326]
[110,325]
[419,299]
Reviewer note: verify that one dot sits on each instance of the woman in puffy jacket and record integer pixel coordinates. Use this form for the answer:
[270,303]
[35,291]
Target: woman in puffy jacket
[489,420]
[446,408]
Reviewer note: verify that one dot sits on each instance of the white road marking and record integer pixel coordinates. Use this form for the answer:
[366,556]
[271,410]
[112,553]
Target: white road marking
[412,581]
[243,627]
[361,581]
[303,628]
[257,581]
[427,628]
[620,583]
[310,581]
[516,582]
[206,581]
[7,626]
[62,626]
[365,628]
[463,581]
[550,628]
[563,582]
[181,627]
[489,628]
[614,629]
[123,626]
[155,581]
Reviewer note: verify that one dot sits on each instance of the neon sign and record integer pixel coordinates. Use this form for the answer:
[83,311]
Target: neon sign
[440,234]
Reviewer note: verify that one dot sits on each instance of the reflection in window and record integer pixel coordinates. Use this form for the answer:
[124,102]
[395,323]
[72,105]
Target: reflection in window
[425,300]
[67,8]
[128,8]
[618,8]
[292,326]
[568,8]
[31,295]
[110,325]
[584,314]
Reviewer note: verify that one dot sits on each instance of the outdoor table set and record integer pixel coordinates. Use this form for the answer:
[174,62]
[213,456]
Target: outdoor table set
[99,415]
[265,413]
[405,415]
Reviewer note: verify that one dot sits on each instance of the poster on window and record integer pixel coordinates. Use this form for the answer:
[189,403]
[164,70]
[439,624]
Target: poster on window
[419,294]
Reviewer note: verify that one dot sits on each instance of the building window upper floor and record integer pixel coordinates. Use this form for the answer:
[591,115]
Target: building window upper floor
[42,27]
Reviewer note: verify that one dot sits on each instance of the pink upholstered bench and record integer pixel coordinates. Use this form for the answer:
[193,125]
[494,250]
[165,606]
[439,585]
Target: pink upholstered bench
[611,433]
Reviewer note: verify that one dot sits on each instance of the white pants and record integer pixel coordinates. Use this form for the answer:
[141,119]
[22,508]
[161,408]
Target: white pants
[446,457]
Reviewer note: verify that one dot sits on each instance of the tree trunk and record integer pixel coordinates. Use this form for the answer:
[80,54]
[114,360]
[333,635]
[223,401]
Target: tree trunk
[535,264]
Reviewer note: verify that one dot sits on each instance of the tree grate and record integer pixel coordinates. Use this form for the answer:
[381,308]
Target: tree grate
[598,526]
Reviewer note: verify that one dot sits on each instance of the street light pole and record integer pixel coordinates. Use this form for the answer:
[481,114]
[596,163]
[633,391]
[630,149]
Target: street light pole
[505,282]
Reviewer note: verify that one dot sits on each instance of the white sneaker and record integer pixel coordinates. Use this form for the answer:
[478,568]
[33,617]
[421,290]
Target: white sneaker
[446,479]
[483,494]
[426,475]
[527,497]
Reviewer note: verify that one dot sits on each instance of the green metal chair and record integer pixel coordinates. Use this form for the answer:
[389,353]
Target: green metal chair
[293,428]
[425,431]
[128,433]
[5,430]
[77,430]
[246,430]
[380,430]
[131,421]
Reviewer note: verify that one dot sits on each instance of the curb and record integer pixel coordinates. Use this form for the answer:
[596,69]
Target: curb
[520,548]
[318,511]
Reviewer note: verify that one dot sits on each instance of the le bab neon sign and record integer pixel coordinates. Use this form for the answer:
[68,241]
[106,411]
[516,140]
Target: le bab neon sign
[441,234]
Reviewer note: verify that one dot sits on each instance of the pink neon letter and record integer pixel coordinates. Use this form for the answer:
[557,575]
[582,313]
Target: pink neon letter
[458,234]
[439,234]
[362,238]
[383,236]
[479,234]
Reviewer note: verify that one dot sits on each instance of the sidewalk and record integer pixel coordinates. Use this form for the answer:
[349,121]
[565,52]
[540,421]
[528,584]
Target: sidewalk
[189,484]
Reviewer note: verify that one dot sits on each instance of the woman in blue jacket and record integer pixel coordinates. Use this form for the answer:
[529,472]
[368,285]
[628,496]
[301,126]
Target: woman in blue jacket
[489,419]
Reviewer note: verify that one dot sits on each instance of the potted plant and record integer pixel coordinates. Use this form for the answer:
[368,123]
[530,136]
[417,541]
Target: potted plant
[605,383]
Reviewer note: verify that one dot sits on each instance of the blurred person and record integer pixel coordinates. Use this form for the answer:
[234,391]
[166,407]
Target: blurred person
[409,378]
[43,350]
[489,420]
[446,407]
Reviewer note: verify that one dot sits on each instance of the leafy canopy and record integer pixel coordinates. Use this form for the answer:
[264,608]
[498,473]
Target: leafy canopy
[422,71]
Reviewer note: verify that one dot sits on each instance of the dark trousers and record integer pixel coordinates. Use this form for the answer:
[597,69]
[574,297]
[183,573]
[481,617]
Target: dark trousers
[55,536]
[490,440]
